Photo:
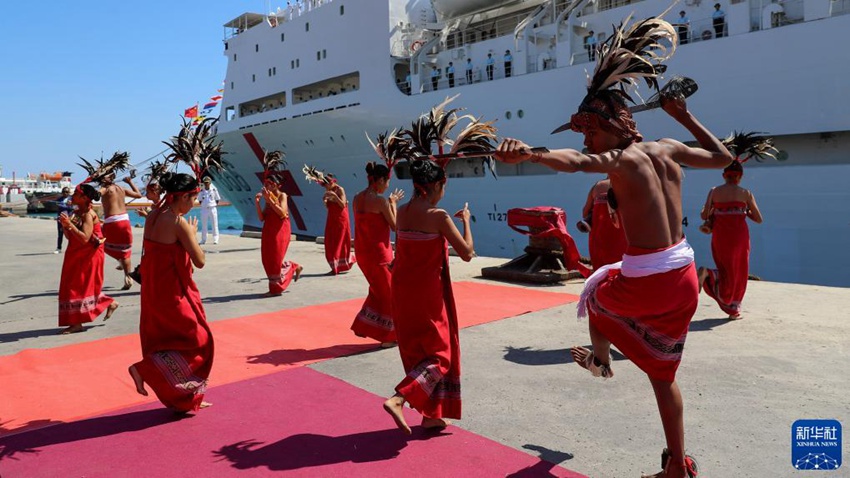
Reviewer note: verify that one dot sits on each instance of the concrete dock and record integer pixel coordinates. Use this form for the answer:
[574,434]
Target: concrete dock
[744,382]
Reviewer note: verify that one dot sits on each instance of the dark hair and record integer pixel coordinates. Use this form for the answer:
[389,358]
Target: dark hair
[178,182]
[377,171]
[89,191]
[425,172]
[734,167]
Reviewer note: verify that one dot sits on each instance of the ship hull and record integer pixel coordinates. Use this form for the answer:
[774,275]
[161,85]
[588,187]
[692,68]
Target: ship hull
[778,87]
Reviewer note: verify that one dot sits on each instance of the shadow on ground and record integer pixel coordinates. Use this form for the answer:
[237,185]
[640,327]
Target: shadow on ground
[35,440]
[542,469]
[232,298]
[707,324]
[19,297]
[294,356]
[30,334]
[309,450]
[529,356]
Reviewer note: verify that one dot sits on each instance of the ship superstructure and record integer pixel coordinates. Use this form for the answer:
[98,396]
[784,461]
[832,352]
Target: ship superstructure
[312,81]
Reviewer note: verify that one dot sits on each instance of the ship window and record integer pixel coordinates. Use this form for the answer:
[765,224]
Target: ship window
[257,47]
[307,27]
[292,64]
[318,55]
[520,113]
[225,46]
[254,78]
[231,85]
[297,63]
[282,36]
[324,54]
[234,57]
[274,70]
[507,114]
[270,72]
[342,9]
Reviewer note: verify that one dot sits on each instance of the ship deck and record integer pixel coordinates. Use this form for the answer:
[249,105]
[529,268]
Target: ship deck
[744,383]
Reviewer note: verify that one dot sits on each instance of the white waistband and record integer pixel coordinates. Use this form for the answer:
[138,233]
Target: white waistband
[116,218]
[675,257]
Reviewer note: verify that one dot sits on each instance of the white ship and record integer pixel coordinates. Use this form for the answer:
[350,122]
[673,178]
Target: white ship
[312,80]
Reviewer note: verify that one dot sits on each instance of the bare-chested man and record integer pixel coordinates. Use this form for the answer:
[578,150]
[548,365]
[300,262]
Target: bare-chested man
[116,223]
[646,307]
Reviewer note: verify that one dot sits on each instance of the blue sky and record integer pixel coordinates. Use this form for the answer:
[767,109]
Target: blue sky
[84,77]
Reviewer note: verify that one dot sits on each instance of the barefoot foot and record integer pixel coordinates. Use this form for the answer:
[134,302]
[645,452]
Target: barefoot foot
[110,310]
[586,360]
[128,282]
[298,273]
[137,379]
[435,423]
[395,407]
[702,275]
[206,404]
[735,316]
[388,345]
[272,294]
[73,329]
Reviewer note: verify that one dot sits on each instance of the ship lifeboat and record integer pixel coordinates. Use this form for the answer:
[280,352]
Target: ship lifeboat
[448,9]
[57,176]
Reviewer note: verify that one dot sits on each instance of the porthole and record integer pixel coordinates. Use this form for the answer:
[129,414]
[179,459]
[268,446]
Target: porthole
[520,113]
[507,115]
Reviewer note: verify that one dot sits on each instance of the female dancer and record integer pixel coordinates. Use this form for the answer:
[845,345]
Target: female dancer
[729,206]
[423,305]
[177,344]
[275,239]
[374,217]
[337,226]
[80,296]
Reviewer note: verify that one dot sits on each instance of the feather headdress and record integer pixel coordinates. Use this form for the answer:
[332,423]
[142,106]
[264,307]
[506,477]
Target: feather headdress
[436,127]
[157,169]
[391,147]
[750,145]
[630,54]
[319,177]
[100,170]
[272,161]
[196,147]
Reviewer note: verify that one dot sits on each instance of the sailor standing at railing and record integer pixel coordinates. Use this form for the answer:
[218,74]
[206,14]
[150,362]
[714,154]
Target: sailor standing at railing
[718,19]
[490,63]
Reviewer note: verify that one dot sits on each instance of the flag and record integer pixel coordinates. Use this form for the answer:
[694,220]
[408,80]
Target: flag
[216,98]
[191,112]
[221,90]
[210,105]
[198,120]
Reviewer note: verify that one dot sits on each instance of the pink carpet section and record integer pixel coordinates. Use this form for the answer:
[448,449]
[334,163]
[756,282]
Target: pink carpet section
[39,387]
[298,421]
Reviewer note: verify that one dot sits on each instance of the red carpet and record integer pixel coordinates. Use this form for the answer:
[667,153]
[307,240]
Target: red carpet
[298,421]
[42,387]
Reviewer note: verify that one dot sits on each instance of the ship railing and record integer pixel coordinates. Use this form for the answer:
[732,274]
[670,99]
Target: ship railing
[297,9]
[484,31]
[479,75]
[840,7]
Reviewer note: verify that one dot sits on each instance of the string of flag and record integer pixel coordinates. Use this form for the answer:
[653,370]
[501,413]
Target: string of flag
[198,114]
